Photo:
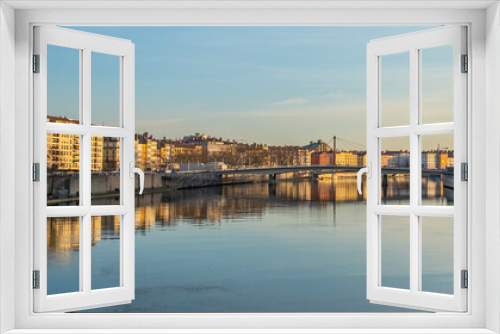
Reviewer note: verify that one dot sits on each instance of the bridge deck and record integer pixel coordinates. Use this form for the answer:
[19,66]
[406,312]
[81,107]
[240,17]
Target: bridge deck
[308,168]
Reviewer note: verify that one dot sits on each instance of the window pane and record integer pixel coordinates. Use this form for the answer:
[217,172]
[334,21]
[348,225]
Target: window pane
[105,89]
[63,165]
[395,169]
[63,255]
[63,84]
[437,254]
[395,242]
[395,89]
[105,170]
[437,169]
[105,252]
[437,84]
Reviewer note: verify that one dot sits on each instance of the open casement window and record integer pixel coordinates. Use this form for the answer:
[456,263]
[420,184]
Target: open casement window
[68,156]
[416,105]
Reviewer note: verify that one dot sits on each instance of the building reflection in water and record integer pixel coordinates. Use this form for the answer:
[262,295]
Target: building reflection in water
[63,234]
[208,206]
[229,248]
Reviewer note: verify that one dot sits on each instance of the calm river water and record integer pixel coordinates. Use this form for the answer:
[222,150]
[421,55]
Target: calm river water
[285,247]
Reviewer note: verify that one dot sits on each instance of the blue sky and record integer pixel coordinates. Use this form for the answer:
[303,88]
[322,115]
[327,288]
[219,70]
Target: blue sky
[274,85]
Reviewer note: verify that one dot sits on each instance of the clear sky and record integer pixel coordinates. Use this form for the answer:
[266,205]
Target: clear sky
[274,85]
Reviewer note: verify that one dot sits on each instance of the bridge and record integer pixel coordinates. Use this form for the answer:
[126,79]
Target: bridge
[319,169]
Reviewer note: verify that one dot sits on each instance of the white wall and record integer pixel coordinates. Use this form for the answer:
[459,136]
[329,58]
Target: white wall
[492,165]
[7,156]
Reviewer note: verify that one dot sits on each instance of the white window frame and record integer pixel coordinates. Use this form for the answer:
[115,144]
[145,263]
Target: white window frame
[413,44]
[86,44]
[483,212]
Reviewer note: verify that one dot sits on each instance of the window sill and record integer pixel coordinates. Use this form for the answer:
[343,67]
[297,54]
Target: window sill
[256,331]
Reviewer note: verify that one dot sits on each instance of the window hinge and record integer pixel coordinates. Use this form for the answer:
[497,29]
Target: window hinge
[36,172]
[464,171]
[465,64]
[36,279]
[36,63]
[465,279]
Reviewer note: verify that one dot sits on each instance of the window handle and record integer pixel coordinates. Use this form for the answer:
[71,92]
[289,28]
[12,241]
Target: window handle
[134,170]
[368,171]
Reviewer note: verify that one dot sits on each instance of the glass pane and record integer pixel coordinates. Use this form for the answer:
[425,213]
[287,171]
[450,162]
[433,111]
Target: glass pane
[437,254]
[395,169]
[105,89]
[63,255]
[437,84]
[63,165]
[105,252]
[395,89]
[395,245]
[437,169]
[105,171]
[63,84]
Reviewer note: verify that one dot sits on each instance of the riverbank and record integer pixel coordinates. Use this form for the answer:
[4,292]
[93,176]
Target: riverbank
[65,188]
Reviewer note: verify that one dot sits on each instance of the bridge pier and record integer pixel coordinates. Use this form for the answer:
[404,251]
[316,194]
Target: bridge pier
[385,184]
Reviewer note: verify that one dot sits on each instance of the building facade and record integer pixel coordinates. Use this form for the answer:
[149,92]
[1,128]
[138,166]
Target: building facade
[320,158]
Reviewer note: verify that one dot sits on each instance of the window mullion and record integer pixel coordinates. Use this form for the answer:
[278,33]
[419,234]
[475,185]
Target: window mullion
[414,169]
[86,238]
[85,171]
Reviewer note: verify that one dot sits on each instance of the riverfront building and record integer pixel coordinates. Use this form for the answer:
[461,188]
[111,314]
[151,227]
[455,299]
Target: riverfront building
[111,154]
[320,158]
[319,146]
[437,159]
[63,150]
[159,155]
[346,159]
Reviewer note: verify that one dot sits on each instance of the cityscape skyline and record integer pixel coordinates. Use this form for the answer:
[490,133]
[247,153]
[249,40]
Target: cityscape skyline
[202,152]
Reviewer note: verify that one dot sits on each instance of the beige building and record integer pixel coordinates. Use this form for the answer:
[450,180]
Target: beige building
[451,161]
[302,157]
[184,153]
[436,160]
[111,153]
[165,155]
[151,154]
[96,153]
[63,150]
[362,159]
[140,154]
[346,159]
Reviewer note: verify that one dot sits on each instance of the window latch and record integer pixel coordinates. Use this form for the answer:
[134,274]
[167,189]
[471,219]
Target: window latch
[368,171]
[133,170]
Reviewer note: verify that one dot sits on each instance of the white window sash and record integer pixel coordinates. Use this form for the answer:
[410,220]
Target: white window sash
[85,298]
[414,297]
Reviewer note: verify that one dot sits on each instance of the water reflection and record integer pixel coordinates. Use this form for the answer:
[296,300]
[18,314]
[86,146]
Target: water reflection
[63,250]
[259,247]
[436,190]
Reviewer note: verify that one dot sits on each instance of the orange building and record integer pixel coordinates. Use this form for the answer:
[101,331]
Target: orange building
[320,158]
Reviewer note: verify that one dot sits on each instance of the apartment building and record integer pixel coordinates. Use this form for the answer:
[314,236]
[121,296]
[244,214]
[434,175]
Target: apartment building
[346,159]
[111,154]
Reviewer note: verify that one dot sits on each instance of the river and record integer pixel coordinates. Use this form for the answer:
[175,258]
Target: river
[293,246]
